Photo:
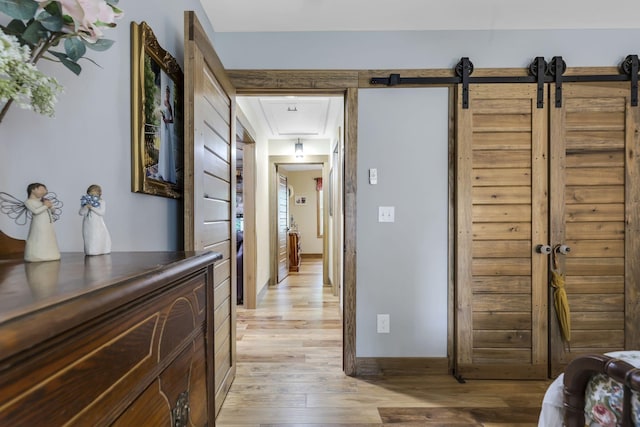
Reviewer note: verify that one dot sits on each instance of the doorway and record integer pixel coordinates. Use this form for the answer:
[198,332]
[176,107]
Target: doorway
[319,133]
[305,220]
[344,85]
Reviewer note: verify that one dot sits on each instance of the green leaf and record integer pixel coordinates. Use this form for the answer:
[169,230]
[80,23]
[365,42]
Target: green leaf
[50,22]
[74,48]
[100,45]
[34,33]
[19,9]
[15,28]
[93,62]
[71,65]
[114,7]
[54,8]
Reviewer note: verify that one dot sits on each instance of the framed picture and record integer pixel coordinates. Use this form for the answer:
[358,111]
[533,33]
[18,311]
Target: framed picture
[301,200]
[157,143]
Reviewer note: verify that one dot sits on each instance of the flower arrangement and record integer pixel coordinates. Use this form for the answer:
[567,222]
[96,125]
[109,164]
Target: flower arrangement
[90,199]
[36,31]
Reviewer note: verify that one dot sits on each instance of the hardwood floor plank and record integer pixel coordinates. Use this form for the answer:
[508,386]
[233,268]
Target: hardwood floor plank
[289,374]
[277,415]
[427,415]
[319,425]
[396,400]
[514,414]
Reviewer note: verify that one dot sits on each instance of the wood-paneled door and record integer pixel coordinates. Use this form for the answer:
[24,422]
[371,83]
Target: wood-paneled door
[501,214]
[594,195]
[529,176]
[210,183]
[283,227]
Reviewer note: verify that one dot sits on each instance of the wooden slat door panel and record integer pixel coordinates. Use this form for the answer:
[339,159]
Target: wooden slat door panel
[594,210]
[501,198]
[209,192]
[283,227]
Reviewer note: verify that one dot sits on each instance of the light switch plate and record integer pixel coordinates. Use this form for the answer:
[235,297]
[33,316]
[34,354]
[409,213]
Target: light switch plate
[373,176]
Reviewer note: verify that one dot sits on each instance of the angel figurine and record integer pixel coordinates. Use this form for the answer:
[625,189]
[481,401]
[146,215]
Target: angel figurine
[97,240]
[43,208]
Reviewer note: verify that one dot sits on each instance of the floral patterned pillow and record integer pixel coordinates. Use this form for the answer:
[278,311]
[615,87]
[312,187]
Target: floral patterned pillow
[603,396]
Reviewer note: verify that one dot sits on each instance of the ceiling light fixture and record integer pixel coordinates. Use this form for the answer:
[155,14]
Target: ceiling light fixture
[298,149]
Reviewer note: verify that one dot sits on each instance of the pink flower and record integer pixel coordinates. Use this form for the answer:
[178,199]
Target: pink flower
[603,416]
[87,16]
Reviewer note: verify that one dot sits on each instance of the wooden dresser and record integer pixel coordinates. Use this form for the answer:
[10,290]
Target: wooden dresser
[294,251]
[123,339]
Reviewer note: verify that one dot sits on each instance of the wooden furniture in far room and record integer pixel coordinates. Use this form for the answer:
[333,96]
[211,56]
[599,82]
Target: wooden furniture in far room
[294,251]
[121,339]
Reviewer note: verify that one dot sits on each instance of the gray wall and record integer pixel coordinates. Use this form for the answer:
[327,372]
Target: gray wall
[89,140]
[401,267]
[423,49]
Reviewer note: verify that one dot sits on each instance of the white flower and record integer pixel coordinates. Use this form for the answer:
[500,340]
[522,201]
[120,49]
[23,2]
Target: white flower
[21,81]
[60,33]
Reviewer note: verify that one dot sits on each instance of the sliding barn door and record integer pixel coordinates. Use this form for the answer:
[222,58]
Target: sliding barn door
[594,211]
[209,190]
[501,216]
[505,205]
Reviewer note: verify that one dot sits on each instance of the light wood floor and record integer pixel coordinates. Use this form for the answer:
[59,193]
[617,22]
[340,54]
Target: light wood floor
[289,373]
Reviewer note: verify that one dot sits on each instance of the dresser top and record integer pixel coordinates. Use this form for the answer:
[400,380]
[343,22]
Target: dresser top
[28,288]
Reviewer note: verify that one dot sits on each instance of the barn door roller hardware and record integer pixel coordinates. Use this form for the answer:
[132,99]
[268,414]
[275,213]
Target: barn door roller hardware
[630,67]
[539,68]
[557,67]
[539,72]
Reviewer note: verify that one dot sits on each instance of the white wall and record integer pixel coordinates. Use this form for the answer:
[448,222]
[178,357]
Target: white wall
[263,224]
[89,140]
[399,271]
[263,245]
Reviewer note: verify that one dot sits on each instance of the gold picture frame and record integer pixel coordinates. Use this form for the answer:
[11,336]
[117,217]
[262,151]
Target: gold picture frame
[157,131]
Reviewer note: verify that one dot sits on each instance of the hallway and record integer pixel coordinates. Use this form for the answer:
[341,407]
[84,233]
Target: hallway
[289,373]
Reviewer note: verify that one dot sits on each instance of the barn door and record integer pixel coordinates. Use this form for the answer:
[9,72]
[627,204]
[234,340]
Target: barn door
[501,216]
[209,190]
[501,212]
[594,211]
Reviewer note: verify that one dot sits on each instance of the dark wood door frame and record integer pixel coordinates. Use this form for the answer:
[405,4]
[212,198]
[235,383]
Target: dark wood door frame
[345,83]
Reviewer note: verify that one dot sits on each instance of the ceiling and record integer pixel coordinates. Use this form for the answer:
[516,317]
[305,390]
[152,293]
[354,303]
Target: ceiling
[293,117]
[415,15]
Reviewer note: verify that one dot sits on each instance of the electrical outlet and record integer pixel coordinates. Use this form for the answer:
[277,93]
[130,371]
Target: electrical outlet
[383,324]
[386,214]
